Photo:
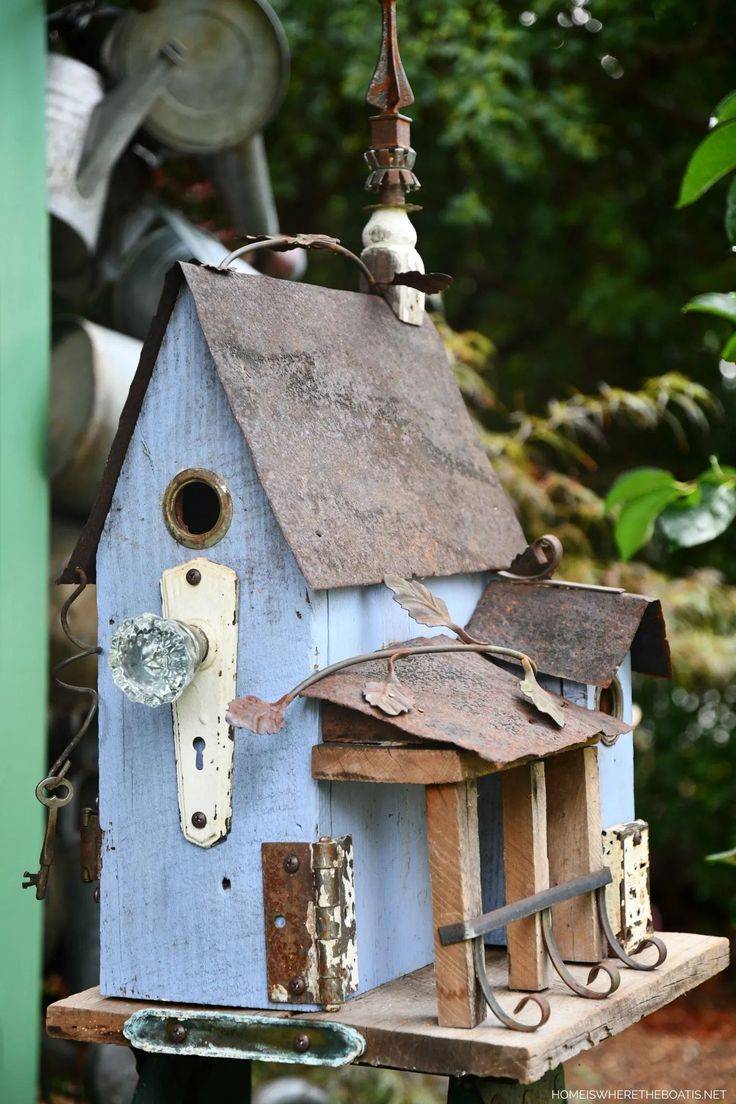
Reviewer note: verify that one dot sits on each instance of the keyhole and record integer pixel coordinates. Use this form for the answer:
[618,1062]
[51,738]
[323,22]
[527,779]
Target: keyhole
[199,745]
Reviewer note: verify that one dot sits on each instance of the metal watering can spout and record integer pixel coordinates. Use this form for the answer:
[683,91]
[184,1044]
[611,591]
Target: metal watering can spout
[118,116]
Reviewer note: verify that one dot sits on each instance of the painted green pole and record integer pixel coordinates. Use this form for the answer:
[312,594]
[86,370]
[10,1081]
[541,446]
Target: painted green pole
[24,309]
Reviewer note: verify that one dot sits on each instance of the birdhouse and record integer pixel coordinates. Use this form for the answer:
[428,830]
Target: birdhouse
[318,773]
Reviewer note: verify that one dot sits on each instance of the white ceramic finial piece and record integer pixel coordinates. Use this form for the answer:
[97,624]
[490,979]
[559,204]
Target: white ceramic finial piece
[389,241]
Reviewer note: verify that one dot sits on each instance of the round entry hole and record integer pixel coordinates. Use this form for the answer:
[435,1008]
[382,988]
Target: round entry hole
[197,507]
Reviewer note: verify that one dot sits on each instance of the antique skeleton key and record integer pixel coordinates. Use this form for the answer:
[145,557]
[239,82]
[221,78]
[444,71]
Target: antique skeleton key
[53,802]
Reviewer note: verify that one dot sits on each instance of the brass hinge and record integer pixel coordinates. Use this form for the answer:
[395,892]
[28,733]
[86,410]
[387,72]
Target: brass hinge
[309,908]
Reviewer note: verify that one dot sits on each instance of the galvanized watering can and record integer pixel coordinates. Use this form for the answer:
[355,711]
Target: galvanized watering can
[91,372]
[86,132]
[202,76]
[139,282]
[230,83]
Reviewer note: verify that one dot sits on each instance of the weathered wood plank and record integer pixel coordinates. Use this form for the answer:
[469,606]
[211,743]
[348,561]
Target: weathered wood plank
[399,1021]
[616,763]
[574,847]
[526,869]
[417,766]
[454,866]
[345,725]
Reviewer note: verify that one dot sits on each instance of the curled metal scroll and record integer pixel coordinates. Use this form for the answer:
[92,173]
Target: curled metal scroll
[538,561]
[572,983]
[479,958]
[616,947]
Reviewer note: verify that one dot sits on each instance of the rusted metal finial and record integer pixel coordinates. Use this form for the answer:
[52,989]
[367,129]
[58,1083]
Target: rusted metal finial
[389,89]
[390,157]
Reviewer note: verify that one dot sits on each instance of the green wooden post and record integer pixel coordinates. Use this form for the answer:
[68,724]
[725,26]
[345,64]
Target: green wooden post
[24,295]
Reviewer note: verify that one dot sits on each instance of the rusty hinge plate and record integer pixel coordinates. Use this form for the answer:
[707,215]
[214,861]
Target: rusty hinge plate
[309,911]
[90,846]
[243,1035]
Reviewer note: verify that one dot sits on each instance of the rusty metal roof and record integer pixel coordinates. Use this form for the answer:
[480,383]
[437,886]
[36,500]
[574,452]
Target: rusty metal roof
[575,632]
[469,702]
[358,431]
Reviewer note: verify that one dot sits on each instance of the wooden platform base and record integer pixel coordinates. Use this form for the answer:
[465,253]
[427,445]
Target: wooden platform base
[399,1020]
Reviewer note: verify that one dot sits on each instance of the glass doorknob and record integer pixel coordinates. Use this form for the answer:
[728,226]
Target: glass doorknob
[153,659]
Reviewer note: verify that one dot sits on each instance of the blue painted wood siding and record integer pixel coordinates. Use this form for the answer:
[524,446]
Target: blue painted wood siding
[170,930]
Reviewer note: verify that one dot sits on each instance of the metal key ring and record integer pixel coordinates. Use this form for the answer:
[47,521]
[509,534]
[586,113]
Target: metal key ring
[51,799]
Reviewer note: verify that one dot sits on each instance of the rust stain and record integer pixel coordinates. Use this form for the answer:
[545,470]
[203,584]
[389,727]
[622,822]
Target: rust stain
[358,431]
[577,633]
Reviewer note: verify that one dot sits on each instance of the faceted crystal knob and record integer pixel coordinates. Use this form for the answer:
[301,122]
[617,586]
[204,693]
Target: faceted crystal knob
[153,660]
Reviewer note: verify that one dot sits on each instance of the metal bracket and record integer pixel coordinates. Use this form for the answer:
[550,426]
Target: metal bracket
[205,594]
[243,1035]
[476,928]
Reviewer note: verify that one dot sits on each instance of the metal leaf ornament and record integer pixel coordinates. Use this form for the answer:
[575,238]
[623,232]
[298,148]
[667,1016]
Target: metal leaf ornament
[541,698]
[420,603]
[389,696]
[427,609]
[257,715]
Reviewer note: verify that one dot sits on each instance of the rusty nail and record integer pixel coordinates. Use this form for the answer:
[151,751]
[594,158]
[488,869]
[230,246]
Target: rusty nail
[194,577]
[301,1043]
[297,986]
[199,820]
[177,1032]
[291,864]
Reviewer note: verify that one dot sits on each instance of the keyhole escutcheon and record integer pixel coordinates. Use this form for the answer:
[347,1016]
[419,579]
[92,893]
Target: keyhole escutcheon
[199,745]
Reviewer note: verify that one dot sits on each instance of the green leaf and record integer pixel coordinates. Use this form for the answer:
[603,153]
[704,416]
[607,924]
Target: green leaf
[717,472]
[728,352]
[686,526]
[725,110]
[728,857]
[635,523]
[636,483]
[721,304]
[712,159]
[730,217]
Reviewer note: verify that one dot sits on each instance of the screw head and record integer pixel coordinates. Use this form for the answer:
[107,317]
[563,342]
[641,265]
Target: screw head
[297,986]
[199,820]
[291,864]
[193,576]
[177,1032]
[301,1043]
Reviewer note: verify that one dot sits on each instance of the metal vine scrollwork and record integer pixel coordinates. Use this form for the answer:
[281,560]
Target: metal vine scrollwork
[618,950]
[564,973]
[47,790]
[479,959]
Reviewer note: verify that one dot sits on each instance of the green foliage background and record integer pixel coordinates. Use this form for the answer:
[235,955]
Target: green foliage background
[549,188]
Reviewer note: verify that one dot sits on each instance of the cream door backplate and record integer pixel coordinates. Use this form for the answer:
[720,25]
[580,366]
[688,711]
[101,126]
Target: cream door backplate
[205,594]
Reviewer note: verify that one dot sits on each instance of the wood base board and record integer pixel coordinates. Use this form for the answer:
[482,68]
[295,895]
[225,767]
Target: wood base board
[399,1020]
